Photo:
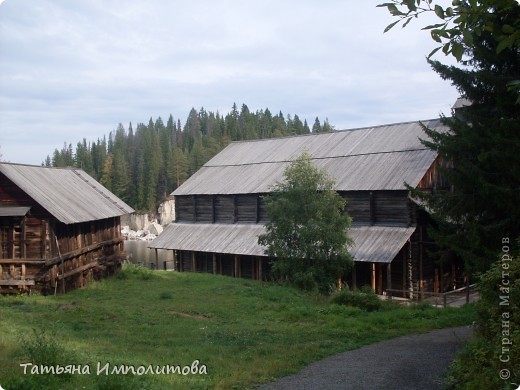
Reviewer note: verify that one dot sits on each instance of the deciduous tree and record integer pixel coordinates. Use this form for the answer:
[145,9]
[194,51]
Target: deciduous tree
[306,235]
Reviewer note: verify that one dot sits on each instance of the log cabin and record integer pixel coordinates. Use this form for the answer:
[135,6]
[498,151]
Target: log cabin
[59,228]
[220,211]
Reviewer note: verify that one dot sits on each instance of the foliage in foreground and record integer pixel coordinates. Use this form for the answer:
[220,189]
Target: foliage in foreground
[246,332]
[306,229]
[479,204]
[492,359]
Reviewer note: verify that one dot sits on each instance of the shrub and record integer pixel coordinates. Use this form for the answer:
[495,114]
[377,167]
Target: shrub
[134,270]
[479,364]
[364,299]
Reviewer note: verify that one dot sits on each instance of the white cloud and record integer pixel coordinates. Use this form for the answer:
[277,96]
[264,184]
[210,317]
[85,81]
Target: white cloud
[70,70]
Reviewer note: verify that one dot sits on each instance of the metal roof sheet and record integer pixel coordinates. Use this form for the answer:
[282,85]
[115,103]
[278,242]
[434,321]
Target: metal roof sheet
[377,244]
[373,158]
[69,194]
[13,211]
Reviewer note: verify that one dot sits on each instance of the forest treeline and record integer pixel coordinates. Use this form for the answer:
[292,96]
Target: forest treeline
[143,165]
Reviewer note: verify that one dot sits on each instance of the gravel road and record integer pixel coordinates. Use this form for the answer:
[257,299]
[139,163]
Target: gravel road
[410,362]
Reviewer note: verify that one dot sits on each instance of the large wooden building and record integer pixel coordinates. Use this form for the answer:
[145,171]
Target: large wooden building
[220,211]
[59,228]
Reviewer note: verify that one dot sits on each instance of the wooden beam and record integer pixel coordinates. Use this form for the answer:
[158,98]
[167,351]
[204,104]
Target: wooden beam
[77,270]
[21,261]
[14,282]
[354,277]
[214,263]
[79,252]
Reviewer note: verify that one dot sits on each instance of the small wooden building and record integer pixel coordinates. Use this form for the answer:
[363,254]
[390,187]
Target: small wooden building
[220,211]
[59,228]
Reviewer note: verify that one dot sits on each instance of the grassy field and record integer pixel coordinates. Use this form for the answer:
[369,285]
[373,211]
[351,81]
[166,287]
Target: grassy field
[245,332]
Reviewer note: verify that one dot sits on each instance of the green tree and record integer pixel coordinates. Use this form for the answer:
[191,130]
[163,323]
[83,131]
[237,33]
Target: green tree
[461,22]
[306,235]
[482,202]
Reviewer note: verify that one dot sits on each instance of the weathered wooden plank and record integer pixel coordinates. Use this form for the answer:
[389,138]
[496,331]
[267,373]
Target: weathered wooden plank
[82,251]
[22,261]
[13,282]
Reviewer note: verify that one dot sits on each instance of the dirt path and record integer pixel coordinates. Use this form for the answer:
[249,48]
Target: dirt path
[409,362]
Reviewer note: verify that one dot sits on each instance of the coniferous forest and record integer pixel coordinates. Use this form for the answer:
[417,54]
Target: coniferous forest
[143,165]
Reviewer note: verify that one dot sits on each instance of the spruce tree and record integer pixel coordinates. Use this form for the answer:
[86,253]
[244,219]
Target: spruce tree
[480,208]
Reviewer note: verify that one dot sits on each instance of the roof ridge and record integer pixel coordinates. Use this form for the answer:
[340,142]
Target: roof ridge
[37,166]
[317,158]
[334,131]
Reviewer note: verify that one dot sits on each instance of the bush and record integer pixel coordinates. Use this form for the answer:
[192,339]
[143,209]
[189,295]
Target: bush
[364,299]
[478,365]
[134,270]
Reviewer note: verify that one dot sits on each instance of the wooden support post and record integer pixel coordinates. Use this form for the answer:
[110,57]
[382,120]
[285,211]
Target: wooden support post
[80,280]
[404,273]
[421,275]
[389,276]
[410,270]
[436,281]
[373,277]
[235,267]
[23,244]
[380,278]
[156,258]
[260,268]
[193,267]
[214,263]
[22,271]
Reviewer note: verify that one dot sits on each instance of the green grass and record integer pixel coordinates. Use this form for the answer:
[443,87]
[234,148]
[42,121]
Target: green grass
[245,332]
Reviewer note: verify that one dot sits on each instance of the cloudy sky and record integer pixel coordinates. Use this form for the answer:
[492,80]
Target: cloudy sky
[74,69]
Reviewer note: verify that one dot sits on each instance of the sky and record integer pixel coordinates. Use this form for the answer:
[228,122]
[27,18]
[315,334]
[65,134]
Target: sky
[74,69]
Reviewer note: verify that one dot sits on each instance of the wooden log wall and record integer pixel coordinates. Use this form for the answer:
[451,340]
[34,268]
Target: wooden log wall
[389,208]
[242,208]
[61,257]
[392,208]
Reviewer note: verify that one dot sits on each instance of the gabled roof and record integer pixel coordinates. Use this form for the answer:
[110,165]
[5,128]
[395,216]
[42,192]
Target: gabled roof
[375,244]
[372,158]
[69,194]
